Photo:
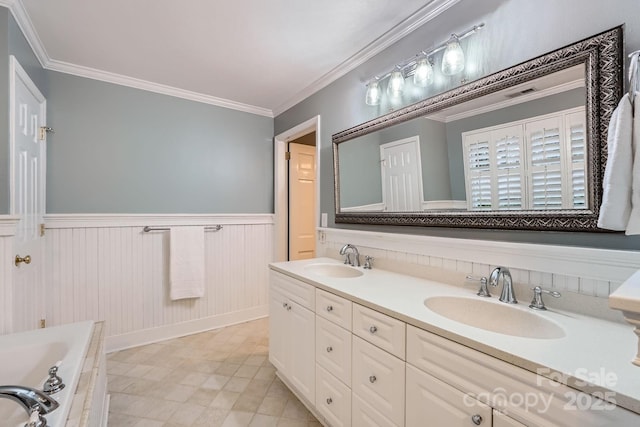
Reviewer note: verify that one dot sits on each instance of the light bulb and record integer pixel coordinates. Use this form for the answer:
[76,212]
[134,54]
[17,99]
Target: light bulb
[423,74]
[453,58]
[373,94]
[396,84]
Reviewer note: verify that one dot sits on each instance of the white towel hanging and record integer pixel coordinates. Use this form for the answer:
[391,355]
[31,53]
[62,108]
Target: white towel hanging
[186,269]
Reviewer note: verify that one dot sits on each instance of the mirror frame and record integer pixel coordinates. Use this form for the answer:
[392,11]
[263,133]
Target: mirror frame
[602,55]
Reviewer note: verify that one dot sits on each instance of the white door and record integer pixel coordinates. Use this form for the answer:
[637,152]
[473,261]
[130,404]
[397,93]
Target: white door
[401,175]
[302,198]
[28,155]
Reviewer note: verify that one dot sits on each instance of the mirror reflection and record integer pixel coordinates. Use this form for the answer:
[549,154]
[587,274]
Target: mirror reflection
[520,148]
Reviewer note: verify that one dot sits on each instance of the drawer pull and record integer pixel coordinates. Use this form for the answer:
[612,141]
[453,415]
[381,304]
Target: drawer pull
[329,401]
[329,349]
[477,419]
[329,308]
[373,329]
[372,379]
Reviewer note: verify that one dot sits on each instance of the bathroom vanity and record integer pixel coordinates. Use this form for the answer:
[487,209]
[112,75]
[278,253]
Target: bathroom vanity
[376,348]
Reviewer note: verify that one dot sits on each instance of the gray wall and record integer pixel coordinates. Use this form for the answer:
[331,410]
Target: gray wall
[123,150]
[515,31]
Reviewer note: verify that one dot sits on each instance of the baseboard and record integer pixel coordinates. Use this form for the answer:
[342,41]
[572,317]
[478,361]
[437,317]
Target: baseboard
[161,333]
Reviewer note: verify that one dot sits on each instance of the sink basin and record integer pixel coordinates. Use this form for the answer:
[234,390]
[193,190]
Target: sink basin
[339,271]
[495,317]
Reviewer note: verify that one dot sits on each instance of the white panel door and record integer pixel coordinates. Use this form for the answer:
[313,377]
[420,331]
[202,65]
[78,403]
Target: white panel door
[302,199]
[401,175]
[28,155]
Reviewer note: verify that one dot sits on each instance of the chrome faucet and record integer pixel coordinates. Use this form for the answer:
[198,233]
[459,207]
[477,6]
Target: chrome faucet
[507,295]
[345,251]
[32,400]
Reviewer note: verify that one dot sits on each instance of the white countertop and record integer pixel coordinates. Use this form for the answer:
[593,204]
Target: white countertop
[592,350]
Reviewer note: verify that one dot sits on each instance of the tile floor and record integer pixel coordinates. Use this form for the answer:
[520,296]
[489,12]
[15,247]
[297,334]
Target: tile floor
[216,378]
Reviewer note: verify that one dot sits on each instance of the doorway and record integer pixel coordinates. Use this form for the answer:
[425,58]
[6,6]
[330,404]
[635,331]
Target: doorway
[281,185]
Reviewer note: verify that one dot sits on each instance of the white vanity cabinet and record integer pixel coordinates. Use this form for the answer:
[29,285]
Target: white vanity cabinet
[292,332]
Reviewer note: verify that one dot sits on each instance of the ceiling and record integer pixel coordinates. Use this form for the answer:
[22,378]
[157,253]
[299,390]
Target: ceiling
[261,56]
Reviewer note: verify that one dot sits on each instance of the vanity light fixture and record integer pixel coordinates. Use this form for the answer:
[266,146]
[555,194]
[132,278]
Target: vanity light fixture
[396,83]
[453,57]
[423,74]
[373,93]
[420,66]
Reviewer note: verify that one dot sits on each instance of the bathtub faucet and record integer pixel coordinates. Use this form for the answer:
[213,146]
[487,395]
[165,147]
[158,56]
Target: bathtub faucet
[32,400]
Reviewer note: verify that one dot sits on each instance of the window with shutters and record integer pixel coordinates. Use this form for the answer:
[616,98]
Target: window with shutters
[534,164]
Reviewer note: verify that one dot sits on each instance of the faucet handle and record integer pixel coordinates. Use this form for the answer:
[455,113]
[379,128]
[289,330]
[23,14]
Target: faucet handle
[36,419]
[537,303]
[484,290]
[368,262]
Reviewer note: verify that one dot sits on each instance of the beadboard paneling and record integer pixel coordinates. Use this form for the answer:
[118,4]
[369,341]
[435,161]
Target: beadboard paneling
[6,284]
[120,274]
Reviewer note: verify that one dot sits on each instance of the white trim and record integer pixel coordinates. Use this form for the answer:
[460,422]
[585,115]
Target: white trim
[281,190]
[161,333]
[599,264]
[153,220]
[373,207]
[8,225]
[421,17]
[444,204]
[410,24]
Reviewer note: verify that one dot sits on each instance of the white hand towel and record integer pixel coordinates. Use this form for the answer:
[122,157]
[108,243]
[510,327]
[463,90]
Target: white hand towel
[634,218]
[186,252]
[616,198]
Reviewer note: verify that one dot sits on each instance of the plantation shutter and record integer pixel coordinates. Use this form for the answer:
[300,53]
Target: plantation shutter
[545,163]
[575,129]
[508,168]
[478,171]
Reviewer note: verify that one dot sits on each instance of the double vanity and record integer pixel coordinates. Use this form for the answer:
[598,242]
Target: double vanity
[369,347]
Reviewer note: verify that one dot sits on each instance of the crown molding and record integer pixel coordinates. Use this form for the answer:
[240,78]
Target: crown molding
[122,80]
[407,26]
[410,24]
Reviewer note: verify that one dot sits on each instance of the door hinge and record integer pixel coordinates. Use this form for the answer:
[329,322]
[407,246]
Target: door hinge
[42,229]
[43,132]
[43,323]
[287,155]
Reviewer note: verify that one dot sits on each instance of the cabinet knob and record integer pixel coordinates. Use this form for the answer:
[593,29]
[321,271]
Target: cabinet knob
[329,349]
[329,308]
[477,419]
[372,379]
[373,329]
[329,401]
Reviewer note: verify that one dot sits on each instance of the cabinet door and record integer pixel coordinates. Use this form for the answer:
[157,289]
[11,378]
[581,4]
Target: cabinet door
[442,405]
[302,348]
[502,420]
[333,398]
[333,349]
[278,330]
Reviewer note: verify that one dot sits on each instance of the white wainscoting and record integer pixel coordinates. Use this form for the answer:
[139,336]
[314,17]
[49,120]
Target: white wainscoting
[105,267]
[7,231]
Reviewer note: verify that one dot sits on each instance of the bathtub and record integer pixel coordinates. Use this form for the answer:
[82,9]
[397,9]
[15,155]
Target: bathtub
[25,359]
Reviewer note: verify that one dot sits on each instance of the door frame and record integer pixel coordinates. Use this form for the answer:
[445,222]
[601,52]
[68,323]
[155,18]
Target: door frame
[281,187]
[17,72]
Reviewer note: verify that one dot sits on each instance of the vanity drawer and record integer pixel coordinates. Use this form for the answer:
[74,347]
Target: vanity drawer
[333,308]
[379,379]
[333,349]
[295,290]
[333,399]
[365,415]
[379,329]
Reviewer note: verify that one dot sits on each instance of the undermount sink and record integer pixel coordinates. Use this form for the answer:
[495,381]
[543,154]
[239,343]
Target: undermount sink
[495,317]
[339,271]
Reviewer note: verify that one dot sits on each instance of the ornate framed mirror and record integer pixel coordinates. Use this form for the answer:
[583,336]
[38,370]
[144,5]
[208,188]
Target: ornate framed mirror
[523,148]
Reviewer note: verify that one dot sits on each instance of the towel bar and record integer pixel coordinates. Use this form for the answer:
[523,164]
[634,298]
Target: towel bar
[147,229]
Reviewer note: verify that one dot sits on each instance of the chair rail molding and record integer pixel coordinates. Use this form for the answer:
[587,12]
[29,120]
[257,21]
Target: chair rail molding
[53,221]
